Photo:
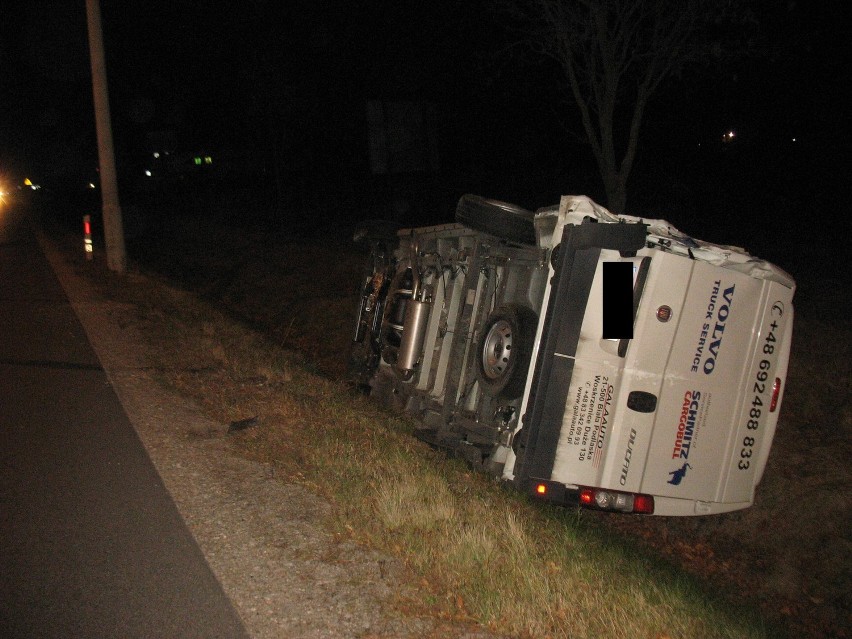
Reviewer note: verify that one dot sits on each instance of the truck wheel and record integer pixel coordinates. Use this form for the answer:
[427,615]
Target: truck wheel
[504,350]
[500,219]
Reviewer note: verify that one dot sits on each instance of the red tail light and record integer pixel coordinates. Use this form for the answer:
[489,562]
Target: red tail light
[776,392]
[620,502]
[643,504]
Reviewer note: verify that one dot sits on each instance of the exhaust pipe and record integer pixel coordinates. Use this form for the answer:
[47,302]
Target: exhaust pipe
[413,335]
[416,319]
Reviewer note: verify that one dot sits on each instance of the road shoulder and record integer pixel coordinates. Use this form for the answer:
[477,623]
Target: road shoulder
[265,538]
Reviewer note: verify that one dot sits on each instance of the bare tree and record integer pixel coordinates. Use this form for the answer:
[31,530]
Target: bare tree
[614,55]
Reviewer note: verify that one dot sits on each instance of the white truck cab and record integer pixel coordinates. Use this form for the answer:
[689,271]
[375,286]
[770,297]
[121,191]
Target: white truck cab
[587,358]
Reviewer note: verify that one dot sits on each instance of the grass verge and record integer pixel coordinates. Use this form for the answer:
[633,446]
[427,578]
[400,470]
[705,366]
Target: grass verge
[483,553]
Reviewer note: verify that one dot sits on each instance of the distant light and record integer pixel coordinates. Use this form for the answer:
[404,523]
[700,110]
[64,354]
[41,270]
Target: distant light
[729,136]
[148,172]
[27,182]
[91,185]
[197,161]
[88,247]
[208,160]
[794,139]
[156,155]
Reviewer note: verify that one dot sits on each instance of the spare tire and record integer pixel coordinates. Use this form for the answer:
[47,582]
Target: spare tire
[504,350]
[500,219]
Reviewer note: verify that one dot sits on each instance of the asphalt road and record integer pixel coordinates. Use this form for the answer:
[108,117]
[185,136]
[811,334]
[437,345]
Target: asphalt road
[91,543]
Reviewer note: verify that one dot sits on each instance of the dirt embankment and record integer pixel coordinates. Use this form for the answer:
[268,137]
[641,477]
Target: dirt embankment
[267,537]
[789,554]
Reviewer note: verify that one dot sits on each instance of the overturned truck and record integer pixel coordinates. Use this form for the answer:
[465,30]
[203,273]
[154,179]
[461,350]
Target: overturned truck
[587,358]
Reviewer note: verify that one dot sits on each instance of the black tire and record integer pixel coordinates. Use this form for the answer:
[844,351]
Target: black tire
[504,350]
[500,219]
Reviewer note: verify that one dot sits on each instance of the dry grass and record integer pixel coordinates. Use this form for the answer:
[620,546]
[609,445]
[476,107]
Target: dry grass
[486,554]
[264,336]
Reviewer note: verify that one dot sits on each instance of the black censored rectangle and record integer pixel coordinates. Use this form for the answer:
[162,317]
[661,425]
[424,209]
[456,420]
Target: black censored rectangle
[618,300]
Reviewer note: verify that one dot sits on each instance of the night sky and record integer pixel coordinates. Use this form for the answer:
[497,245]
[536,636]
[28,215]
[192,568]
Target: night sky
[281,88]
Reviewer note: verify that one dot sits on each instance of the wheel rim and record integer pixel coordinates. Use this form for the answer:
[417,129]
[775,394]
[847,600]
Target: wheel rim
[497,350]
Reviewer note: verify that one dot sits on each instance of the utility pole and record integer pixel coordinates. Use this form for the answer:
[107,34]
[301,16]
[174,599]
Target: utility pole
[113,228]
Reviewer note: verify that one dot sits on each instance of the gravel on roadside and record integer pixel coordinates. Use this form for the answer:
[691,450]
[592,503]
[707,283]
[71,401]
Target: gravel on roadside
[265,538]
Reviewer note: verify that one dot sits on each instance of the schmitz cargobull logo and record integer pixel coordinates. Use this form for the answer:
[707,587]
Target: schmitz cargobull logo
[686,424]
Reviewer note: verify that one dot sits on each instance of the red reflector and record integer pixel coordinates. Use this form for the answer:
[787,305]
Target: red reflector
[587,496]
[776,392]
[643,504]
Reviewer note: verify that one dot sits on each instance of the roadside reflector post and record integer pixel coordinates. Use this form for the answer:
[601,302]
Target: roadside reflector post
[87,237]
